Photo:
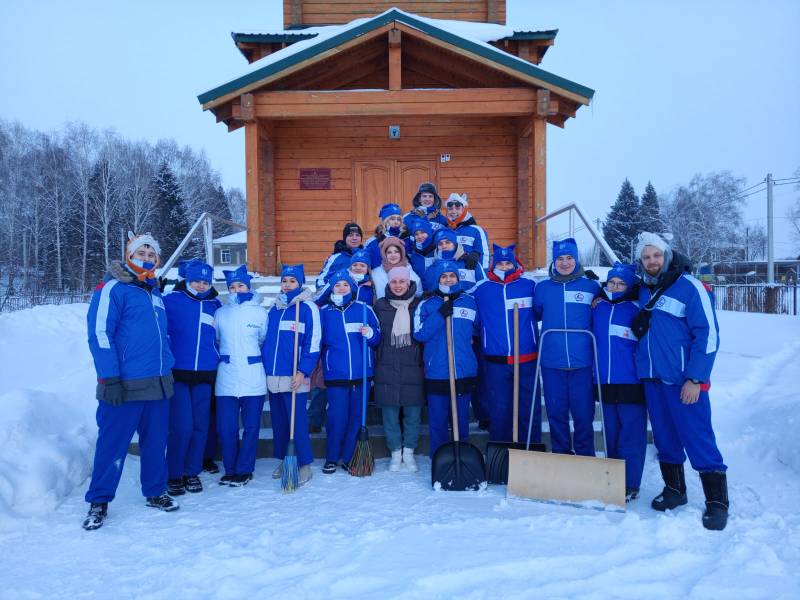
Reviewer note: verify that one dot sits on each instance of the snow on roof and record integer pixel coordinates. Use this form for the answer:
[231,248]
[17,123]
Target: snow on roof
[477,33]
[240,237]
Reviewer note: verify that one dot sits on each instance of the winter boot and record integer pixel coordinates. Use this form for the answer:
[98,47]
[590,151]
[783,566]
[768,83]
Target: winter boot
[397,460]
[98,512]
[175,487]
[278,472]
[329,468]
[209,466]
[631,494]
[409,461]
[674,493]
[305,475]
[715,487]
[162,502]
[241,480]
[226,479]
[192,484]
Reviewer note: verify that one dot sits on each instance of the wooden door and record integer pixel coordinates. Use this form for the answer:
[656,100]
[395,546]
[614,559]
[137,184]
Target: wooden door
[376,182]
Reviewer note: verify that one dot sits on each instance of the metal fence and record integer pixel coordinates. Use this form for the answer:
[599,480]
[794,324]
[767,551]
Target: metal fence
[760,298]
[20,302]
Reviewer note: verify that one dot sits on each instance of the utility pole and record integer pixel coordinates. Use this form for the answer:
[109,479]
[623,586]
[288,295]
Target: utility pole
[770,233]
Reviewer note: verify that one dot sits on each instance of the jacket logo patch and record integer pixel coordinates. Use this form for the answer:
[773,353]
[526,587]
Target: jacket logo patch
[579,297]
[661,302]
[254,325]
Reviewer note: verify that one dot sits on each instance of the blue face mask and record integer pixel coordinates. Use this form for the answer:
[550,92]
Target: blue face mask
[196,294]
[421,245]
[613,295]
[241,297]
[147,266]
[447,254]
[393,231]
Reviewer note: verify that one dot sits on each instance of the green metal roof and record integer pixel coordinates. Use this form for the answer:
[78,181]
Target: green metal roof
[488,52]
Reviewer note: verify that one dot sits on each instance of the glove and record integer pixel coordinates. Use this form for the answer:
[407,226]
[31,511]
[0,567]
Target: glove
[470,260]
[641,323]
[162,284]
[111,391]
[591,275]
[446,309]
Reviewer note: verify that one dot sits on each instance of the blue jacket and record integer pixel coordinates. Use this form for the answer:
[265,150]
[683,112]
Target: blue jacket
[420,260]
[277,353]
[342,342]
[616,343]
[190,326]
[473,238]
[469,278]
[439,221]
[127,326]
[495,300]
[683,337]
[566,305]
[429,328]
[337,261]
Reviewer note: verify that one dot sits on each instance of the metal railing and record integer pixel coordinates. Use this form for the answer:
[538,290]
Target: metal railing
[23,301]
[757,297]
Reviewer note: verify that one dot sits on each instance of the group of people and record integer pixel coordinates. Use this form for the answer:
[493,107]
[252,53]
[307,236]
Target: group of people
[379,312]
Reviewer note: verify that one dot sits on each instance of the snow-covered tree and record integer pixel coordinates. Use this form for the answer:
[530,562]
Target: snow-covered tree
[169,223]
[622,223]
[650,211]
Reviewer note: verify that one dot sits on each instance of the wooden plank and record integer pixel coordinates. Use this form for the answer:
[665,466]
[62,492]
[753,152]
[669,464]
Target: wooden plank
[395,66]
[524,199]
[567,478]
[538,149]
[253,198]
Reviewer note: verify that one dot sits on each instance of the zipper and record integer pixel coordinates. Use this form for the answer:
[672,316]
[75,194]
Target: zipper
[505,318]
[649,356]
[566,335]
[199,329]
[158,326]
[682,361]
[610,317]
[349,355]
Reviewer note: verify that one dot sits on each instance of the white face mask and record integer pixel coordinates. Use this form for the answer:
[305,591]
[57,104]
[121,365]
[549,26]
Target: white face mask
[447,289]
[357,277]
[500,273]
[337,299]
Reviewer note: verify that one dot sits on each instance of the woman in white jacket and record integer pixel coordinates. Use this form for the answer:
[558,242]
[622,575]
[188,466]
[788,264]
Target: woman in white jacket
[241,386]
[393,254]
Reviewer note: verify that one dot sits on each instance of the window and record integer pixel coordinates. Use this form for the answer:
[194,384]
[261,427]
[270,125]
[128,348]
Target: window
[225,256]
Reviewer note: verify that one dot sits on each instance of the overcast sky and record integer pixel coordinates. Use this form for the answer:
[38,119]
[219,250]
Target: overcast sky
[682,86]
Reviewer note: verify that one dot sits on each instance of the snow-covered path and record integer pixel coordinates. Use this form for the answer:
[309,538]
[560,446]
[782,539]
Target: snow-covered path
[391,536]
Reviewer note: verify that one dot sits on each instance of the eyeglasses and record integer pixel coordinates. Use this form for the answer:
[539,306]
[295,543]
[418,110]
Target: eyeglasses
[616,284]
[454,205]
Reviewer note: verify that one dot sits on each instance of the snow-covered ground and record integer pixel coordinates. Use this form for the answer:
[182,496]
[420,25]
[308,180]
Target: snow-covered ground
[389,536]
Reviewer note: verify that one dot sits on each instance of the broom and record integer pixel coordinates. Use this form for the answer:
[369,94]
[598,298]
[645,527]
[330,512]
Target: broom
[363,463]
[291,475]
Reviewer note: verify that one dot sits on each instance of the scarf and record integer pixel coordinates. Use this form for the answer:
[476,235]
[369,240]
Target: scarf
[401,326]
[556,276]
[454,223]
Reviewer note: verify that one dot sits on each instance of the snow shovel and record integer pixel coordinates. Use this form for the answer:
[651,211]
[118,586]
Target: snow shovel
[497,452]
[290,475]
[363,461]
[456,465]
[565,477]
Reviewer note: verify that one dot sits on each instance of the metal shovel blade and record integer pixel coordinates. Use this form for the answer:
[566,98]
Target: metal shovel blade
[458,466]
[497,459]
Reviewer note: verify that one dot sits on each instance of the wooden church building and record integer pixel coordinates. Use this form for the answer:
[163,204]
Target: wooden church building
[354,104]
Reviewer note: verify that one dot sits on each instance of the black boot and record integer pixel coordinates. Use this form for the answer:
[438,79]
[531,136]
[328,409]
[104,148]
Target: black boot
[674,493]
[715,487]
[162,502]
[175,487]
[98,511]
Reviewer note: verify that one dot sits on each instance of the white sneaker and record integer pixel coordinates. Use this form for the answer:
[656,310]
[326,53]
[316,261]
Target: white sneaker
[408,460]
[397,459]
[278,472]
[305,475]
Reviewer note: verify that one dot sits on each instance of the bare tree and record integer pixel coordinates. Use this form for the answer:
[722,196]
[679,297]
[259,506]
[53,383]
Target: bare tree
[82,143]
[104,196]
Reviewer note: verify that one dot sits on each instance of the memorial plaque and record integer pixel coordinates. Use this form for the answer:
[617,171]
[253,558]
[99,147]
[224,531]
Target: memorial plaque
[315,179]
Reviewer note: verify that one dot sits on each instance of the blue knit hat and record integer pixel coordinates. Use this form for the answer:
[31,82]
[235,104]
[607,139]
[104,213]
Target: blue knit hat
[500,254]
[239,274]
[342,275]
[362,256]
[445,234]
[295,271]
[625,272]
[387,210]
[434,272]
[420,225]
[197,270]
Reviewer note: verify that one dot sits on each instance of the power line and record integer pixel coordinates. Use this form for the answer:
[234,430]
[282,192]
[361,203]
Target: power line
[786,179]
[753,186]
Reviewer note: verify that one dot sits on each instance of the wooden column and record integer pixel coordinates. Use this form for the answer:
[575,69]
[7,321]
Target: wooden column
[260,196]
[539,186]
[524,191]
[395,67]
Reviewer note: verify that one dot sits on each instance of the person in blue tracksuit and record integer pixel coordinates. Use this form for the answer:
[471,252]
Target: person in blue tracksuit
[471,236]
[624,411]
[292,303]
[564,301]
[420,246]
[391,225]
[427,206]
[449,248]
[448,300]
[496,298]
[360,273]
[241,384]
[192,339]
[127,331]
[343,327]
[678,342]
[343,250]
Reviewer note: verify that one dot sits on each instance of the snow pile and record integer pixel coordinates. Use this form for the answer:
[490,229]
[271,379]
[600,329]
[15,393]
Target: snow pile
[47,428]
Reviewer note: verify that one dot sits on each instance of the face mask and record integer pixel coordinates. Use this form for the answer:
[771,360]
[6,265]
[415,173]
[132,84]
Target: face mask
[240,297]
[147,266]
[613,295]
[394,231]
[447,254]
[340,299]
[448,289]
[358,277]
[283,298]
[500,273]
[421,245]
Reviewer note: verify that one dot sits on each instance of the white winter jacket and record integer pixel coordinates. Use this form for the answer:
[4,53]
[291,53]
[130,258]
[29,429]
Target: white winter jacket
[241,329]
[380,278]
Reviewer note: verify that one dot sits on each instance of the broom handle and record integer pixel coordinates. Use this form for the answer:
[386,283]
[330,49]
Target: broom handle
[364,351]
[294,366]
[451,369]
[515,429]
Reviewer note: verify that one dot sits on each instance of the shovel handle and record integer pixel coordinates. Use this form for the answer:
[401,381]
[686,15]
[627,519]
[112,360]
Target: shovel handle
[451,368]
[294,365]
[515,426]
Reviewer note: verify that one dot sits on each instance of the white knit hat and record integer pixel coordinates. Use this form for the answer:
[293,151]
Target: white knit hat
[137,241]
[456,197]
[647,238]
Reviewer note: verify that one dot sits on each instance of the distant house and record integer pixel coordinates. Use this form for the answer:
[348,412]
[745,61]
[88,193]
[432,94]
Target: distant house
[230,250]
